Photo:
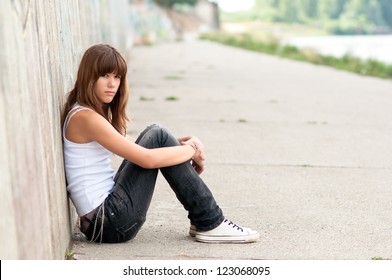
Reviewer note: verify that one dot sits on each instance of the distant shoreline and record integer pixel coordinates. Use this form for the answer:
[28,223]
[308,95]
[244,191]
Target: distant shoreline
[376,47]
[347,62]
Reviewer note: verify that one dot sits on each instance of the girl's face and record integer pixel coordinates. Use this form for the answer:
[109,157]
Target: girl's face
[106,87]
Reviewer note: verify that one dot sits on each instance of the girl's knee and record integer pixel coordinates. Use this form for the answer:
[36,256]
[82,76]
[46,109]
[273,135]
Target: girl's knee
[159,132]
[156,136]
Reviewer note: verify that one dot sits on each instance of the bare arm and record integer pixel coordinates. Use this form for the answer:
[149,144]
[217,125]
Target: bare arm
[91,126]
[198,158]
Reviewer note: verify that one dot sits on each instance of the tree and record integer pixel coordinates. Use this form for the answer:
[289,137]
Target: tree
[338,8]
[311,8]
[171,3]
[326,8]
[373,12]
[386,10]
[288,10]
[338,16]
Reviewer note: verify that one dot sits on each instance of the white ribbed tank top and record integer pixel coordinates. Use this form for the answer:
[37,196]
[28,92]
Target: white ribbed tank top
[88,170]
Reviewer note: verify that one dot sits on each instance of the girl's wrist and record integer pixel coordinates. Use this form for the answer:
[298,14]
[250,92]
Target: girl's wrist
[193,145]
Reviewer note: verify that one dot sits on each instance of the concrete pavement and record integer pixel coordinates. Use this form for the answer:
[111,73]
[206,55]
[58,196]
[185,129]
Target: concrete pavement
[299,152]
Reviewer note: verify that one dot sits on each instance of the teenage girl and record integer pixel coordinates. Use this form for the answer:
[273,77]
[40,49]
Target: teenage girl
[112,205]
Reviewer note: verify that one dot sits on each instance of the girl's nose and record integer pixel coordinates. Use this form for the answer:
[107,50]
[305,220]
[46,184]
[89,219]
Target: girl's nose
[112,82]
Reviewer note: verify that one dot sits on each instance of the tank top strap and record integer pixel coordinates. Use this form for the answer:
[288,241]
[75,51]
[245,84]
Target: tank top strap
[76,108]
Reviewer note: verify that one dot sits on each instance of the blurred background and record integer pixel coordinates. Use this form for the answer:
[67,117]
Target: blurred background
[43,41]
[357,32]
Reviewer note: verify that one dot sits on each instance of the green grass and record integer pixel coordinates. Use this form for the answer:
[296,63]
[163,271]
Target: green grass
[380,259]
[144,98]
[69,255]
[171,98]
[348,63]
[172,77]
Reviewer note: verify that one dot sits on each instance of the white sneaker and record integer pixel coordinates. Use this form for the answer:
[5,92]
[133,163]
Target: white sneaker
[192,230]
[227,232]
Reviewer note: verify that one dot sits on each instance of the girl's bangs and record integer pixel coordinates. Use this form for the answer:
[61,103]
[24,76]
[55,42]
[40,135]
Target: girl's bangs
[112,63]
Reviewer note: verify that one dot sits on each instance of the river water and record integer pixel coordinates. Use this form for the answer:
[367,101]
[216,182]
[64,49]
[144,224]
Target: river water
[377,47]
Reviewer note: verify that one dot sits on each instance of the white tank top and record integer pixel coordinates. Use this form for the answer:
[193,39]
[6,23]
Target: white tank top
[88,170]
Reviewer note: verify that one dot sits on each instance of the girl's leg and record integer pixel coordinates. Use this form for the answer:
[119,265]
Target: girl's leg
[194,195]
[205,215]
[189,188]
[126,207]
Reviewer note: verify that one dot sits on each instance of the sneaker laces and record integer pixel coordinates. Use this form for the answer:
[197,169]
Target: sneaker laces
[230,223]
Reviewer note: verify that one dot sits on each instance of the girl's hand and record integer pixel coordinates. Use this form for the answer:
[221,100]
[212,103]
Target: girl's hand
[198,166]
[198,158]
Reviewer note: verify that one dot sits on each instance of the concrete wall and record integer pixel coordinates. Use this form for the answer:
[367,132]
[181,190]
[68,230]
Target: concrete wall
[208,12]
[41,44]
[150,23]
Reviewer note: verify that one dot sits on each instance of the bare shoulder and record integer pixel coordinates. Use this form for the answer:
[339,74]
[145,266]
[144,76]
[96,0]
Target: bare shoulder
[82,125]
[85,114]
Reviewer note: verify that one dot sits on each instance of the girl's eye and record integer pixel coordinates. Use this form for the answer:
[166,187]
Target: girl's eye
[104,75]
[118,77]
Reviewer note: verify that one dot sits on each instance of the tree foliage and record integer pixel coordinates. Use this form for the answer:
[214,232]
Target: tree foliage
[339,16]
[171,3]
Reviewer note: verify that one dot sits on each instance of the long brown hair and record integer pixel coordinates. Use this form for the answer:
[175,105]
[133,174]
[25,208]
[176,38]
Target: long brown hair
[98,60]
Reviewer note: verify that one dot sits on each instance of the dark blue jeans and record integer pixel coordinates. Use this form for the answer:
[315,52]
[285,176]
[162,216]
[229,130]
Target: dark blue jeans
[124,210]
